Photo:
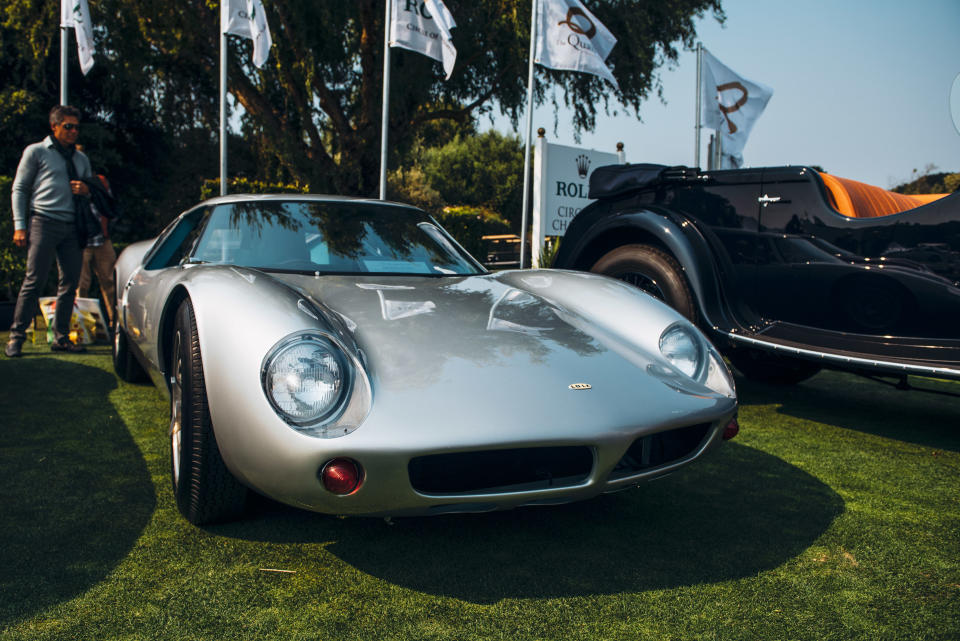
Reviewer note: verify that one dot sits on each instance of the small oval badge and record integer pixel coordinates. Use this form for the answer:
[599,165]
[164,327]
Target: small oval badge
[580,386]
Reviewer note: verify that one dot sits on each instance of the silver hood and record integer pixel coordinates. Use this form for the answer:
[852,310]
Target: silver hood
[518,340]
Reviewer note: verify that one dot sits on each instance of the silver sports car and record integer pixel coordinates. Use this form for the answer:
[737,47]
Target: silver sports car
[347,356]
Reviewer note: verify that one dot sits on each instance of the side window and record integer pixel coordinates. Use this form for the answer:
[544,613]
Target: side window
[176,244]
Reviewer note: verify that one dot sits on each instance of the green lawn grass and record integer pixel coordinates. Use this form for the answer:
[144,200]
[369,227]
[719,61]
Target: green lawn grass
[834,515]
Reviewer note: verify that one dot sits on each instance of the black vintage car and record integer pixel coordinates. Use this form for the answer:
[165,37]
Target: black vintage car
[787,269]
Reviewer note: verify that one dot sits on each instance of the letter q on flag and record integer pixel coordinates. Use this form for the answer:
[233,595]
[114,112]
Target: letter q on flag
[570,38]
[247,19]
[731,105]
[76,14]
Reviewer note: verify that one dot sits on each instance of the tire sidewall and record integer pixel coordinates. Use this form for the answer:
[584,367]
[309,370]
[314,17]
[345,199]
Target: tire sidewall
[655,265]
[181,362]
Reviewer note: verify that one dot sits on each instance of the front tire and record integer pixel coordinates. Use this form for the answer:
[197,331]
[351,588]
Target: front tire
[205,490]
[652,270]
[124,363]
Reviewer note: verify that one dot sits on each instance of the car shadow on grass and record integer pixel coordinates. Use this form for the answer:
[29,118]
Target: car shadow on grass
[856,403]
[74,488]
[738,512]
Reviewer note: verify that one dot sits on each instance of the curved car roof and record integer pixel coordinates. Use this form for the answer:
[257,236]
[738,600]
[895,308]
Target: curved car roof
[234,198]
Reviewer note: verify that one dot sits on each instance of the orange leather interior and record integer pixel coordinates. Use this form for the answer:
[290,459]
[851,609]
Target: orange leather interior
[855,199]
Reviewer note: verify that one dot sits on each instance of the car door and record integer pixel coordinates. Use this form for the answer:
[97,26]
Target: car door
[725,207]
[882,276]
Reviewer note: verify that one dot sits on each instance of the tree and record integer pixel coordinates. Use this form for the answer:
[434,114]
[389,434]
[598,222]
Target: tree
[930,181]
[312,115]
[483,171]
[153,145]
[314,111]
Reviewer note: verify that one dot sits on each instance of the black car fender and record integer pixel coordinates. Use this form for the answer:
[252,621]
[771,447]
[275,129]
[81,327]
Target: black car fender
[668,230]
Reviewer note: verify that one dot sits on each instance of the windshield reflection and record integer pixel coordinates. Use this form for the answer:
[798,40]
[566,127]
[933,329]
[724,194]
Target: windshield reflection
[329,237]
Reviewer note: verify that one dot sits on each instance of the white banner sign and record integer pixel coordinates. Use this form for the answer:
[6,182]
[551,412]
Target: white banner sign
[561,182]
[731,105]
[571,38]
[76,14]
[424,26]
[247,19]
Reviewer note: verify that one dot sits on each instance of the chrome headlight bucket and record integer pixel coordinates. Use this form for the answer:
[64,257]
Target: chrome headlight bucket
[307,379]
[692,356]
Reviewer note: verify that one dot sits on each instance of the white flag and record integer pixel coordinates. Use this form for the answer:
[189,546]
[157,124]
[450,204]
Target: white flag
[424,27]
[569,37]
[76,14]
[247,19]
[731,105]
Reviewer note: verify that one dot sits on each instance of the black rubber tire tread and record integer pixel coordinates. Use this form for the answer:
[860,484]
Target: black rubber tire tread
[764,367]
[207,492]
[125,363]
[658,266]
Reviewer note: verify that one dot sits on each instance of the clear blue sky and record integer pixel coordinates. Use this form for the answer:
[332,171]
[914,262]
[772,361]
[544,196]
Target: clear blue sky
[861,88]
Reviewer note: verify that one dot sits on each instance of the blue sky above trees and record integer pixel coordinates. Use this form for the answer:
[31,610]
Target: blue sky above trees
[861,88]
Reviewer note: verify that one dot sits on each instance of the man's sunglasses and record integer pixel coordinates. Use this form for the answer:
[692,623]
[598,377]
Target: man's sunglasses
[71,127]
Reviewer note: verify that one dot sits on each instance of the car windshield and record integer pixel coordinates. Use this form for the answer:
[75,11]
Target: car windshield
[329,237]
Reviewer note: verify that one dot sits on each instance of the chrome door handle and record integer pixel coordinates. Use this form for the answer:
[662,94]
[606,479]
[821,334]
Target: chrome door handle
[766,200]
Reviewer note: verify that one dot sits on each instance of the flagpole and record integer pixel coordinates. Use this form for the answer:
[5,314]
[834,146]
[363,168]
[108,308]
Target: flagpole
[529,133]
[223,107]
[385,114]
[64,43]
[696,151]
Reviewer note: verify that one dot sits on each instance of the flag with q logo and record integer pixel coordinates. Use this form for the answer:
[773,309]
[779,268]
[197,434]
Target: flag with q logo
[247,19]
[76,14]
[731,105]
[570,38]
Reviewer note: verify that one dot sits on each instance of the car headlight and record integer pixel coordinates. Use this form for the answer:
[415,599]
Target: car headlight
[307,379]
[683,349]
[692,356]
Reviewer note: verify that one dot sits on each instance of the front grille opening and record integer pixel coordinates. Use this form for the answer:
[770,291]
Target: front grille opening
[655,450]
[497,471]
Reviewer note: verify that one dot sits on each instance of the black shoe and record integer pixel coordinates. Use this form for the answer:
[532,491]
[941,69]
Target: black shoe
[64,345]
[14,348]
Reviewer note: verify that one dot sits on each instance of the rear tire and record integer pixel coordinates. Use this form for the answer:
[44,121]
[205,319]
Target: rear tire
[760,366]
[205,490]
[652,270]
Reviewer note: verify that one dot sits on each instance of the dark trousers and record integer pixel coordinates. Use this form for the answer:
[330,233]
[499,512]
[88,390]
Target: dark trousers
[48,238]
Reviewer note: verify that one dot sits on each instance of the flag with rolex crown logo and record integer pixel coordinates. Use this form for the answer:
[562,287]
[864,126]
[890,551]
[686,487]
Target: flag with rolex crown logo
[247,19]
[76,14]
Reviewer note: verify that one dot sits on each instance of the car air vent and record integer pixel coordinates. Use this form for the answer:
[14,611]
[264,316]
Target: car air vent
[499,471]
[655,450]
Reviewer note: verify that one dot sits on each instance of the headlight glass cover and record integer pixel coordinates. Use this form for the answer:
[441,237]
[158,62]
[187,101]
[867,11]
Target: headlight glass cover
[307,379]
[683,349]
[693,357]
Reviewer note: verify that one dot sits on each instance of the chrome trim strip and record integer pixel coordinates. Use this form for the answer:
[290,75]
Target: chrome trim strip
[919,370]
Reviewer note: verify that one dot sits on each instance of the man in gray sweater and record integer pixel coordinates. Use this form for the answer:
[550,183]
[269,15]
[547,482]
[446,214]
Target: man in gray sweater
[44,190]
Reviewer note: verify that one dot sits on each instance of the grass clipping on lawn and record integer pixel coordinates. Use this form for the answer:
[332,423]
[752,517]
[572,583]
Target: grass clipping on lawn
[834,515]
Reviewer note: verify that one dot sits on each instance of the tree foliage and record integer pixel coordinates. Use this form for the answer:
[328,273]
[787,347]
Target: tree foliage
[484,170]
[931,182]
[312,115]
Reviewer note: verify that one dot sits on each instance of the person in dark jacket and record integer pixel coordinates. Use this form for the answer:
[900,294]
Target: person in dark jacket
[47,193]
[99,255]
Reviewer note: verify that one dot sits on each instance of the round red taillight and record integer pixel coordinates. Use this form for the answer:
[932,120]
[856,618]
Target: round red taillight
[731,430]
[341,476]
